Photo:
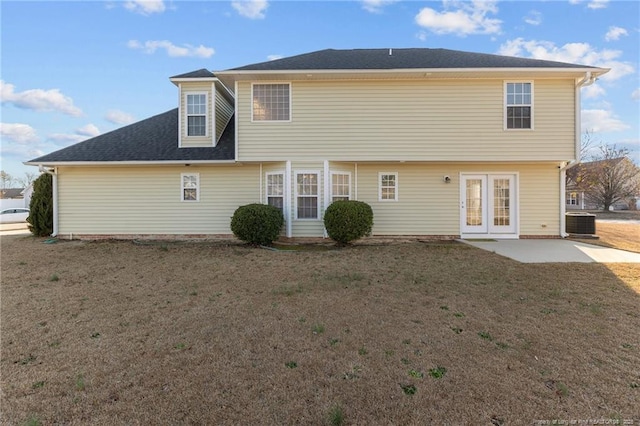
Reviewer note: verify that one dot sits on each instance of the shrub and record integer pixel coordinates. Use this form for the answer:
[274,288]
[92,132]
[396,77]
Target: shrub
[258,224]
[41,207]
[346,221]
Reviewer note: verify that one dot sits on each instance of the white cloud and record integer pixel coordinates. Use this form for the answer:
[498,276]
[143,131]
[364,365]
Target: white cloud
[635,95]
[614,33]
[116,116]
[421,35]
[18,133]
[598,4]
[461,18]
[533,18]
[575,53]
[38,99]
[172,50]
[79,135]
[274,57]
[145,7]
[593,4]
[252,9]
[601,120]
[376,6]
[593,91]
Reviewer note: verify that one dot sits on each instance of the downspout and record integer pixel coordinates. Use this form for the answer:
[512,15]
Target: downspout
[53,172]
[588,80]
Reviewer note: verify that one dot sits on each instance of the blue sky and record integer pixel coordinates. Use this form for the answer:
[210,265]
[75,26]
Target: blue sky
[74,70]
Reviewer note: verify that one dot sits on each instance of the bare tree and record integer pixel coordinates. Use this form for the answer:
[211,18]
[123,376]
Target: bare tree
[587,144]
[6,180]
[27,179]
[609,178]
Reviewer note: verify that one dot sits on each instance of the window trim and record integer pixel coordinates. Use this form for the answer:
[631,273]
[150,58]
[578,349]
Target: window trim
[396,186]
[332,195]
[266,83]
[506,105]
[317,196]
[205,115]
[266,187]
[182,187]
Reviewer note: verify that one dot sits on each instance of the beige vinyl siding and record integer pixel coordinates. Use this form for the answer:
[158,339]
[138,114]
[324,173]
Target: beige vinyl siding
[428,206]
[196,141]
[146,200]
[429,120]
[224,111]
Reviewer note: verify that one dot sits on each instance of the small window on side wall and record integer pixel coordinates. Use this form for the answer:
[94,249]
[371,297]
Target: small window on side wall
[190,187]
[388,186]
[519,105]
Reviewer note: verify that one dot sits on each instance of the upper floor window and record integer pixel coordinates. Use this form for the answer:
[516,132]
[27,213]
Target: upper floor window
[519,105]
[388,186]
[271,102]
[190,186]
[340,186]
[275,190]
[197,114]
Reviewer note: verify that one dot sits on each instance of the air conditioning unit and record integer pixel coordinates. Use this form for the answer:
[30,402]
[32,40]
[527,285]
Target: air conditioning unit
[581,224]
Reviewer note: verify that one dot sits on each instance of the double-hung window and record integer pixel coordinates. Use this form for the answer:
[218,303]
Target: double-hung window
[519,105]
[196,114]
[271,102]
[190,186]
[307,195]
[340,186]
[275,190]
[388,186]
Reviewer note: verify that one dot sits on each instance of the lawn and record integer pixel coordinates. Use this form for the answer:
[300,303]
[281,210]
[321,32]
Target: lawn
[415,333]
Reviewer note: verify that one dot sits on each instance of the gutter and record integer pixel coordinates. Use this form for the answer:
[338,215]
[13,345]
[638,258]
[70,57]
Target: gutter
[53,173]
[588,79]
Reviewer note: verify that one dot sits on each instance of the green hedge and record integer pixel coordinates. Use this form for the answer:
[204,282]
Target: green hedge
[258,224]
[346,221]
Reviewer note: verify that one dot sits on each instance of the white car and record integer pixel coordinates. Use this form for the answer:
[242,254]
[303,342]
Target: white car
[16,215]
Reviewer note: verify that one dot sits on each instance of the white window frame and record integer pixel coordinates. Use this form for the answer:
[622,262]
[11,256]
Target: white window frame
[205,115]
[317,195]
[338,173]
[183,187]
[267,187]
[380,186]
[507,105]
[268,83]
[572,199]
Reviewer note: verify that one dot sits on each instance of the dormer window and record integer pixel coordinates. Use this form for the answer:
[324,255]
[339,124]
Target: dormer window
[197,114]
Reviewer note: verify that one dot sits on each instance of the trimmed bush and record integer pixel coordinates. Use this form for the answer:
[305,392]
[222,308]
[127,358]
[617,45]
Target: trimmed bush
[346,221]
[41,207]
[258,224]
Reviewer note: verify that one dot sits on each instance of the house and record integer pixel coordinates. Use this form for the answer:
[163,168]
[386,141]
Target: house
[589,183]
[439,142]
[12,198]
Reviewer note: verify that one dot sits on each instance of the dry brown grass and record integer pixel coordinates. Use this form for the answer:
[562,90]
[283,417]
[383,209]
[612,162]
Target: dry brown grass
[117,333]
[620,235]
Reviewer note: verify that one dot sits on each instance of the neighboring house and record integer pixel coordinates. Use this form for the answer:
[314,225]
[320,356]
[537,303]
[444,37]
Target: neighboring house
[439,142]
[12,197]
[581,177]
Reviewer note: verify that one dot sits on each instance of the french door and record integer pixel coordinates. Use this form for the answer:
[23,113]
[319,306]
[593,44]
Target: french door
[488,204]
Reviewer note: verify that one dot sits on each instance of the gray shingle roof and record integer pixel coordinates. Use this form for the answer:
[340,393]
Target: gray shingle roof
[153,139]
[201,73]
[381,59]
